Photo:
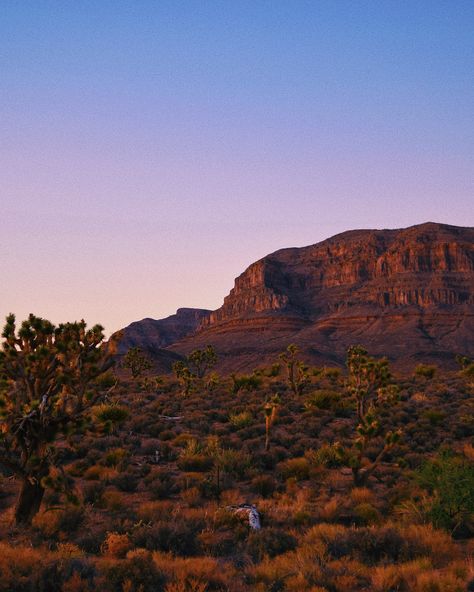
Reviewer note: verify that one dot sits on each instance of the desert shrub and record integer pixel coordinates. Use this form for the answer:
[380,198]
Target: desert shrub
[162,486]
[217,543]
[323,399]
[90,539]
[415,576]
[113,501]
[127,481]
[136,573]
[468,371]
[196,574]
[195,462]
[450,479]
[21,568]
[269,542]
[425,371]
[425,541]
[92,493]
[66,520]
[332,374]
[106,412]
[193,457]
[116,458]
[116,545]
[264,485]
[297,468]
[240,420]
[366,513]
[24,569]
[75,583]
[328,455]
[235,463]
[166,435]
[264,460]
[178,536]
[154,511]
[434,416]
[94,473]
[250,382]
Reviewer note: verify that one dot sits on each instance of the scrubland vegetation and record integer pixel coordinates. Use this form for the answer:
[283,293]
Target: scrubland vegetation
[364,480]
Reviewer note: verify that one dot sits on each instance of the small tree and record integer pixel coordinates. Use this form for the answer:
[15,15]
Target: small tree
[49,382]
[201,360]
[195,367]
[369,385]
[185,377]
[449,478]
[136,362]
[366,377]
[297,371]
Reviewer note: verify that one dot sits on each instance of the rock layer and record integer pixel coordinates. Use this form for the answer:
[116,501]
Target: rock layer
[406,293]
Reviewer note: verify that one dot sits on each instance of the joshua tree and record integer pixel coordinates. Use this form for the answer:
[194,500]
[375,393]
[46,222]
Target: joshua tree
[297,371]
[201,360]
[366,377]
[49,382]
[368,383]
[185,376]
[270,409]
[136,362]
[195,367]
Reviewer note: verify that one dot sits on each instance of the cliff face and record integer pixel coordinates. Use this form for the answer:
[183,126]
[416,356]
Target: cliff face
[405,293]
[424,265]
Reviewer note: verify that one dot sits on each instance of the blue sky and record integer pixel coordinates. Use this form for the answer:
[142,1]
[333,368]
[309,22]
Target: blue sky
[150,151]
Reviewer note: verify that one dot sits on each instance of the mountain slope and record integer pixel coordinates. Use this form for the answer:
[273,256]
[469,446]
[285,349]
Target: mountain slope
[406,293]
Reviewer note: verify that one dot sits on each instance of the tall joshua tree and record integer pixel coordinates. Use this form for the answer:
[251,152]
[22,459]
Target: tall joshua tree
[48,384]
[370,385]
[297,371]
[136,362]
[201,360]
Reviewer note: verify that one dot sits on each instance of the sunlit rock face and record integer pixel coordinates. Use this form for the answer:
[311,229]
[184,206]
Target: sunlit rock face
[406,293]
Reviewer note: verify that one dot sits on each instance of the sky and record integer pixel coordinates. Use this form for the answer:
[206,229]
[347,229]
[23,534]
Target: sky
[151,150]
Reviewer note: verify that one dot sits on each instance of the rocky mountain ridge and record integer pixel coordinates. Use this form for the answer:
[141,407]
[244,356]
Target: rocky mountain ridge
[405,293]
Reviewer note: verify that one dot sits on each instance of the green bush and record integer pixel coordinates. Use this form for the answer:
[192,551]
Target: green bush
[449,478]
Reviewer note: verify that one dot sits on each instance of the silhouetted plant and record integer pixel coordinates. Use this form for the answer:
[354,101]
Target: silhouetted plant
[297,371]
[201,360]
[136,362]
[368,383]
[48,387]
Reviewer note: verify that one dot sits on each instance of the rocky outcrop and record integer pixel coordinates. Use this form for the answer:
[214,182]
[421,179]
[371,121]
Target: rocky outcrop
[407,293]
[153,335]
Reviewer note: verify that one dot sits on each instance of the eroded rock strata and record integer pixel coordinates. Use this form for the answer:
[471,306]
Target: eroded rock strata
[406,293]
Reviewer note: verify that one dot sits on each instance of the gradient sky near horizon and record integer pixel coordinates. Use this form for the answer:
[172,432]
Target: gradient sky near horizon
[151,150]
